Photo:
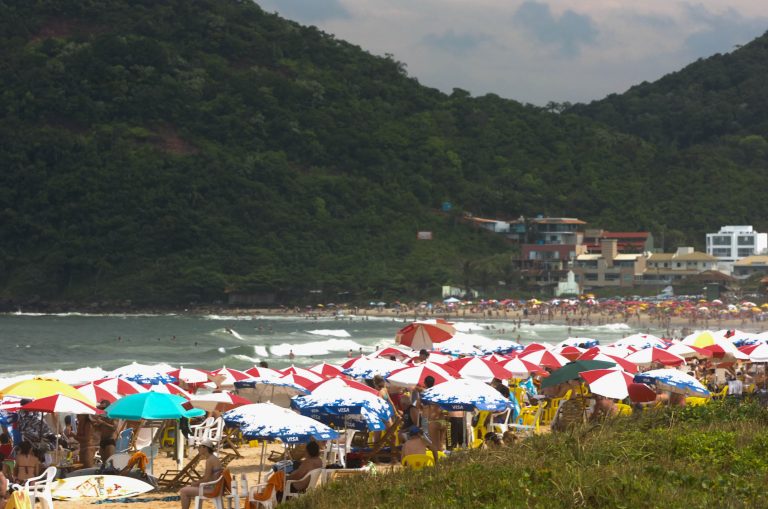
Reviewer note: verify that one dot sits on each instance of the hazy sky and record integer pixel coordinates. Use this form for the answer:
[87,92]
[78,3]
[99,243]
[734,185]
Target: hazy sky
[536,50]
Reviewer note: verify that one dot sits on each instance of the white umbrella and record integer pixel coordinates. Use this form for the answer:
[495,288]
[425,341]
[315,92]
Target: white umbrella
[366,367]
[674,381]
[144,373]
[464,394]
[639,342]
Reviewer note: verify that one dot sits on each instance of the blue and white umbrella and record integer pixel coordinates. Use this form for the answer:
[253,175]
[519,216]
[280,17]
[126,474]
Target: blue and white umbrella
[266,421]
[465,394]
[145,374]
[368,367]
[500,346]
[580,342]
[340,400]
[673,380]
[639,342]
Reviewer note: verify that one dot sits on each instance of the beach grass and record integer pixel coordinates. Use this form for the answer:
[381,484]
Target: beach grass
[714,455]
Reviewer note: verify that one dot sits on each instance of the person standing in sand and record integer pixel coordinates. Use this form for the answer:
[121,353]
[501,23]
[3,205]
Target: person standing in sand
[437,424]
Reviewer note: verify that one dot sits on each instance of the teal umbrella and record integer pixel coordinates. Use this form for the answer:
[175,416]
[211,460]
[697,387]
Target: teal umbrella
[151,405]
[571,371]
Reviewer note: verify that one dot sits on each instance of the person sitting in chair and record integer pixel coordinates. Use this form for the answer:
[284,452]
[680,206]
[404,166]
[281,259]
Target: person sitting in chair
[311,462]
[415,443]
[213,470]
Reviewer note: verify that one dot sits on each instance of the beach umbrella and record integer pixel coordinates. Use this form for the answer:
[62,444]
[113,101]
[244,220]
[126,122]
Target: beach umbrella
[674,381]
[342,401]
[411,376]
[228,376]
[583,343]
[641,393]
[98,393]
[220,401]
[521,368]
[191,375]
[759,353]
[464,344]
[36,388]
[59,403]
[303,373]
[169,388]
[144,373]
[266,421]
[10,404]
[595,355]
[260,372]
[569,352]
[424,335]
[400,354]
[495,357]
[152,405]
[435,357]
[332,384]
[120,386]
[479,369]
[700,339]
[500,346]
[654,355]
[639,342]
[366,367]
[571,371]
[725,350]
[266,388]
[465,394]
[545,358]
[326,370]
[615,351]
[689,351]
[534,347]
[611,383]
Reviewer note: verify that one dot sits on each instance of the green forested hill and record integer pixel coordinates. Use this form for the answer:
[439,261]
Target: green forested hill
[167,151]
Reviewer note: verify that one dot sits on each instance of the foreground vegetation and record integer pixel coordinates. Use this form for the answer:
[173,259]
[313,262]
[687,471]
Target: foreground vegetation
[707,456]
[166,152]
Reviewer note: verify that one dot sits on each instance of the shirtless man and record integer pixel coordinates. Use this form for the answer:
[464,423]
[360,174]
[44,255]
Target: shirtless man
[436,421]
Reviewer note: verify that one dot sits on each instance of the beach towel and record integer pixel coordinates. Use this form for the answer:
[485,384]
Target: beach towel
[139,459]
[18,500]
[276,482]
[222,488]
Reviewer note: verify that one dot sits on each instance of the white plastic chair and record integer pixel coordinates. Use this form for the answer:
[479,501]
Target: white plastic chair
[499,427]
[315,479]
[238,491]
[40,487]
[197,432]
[218,500]
[270,503]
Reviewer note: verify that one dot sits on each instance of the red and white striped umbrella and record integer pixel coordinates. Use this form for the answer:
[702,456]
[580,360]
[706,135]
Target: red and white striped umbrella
[595,355]
[228,376]
[221,401]
[689,351]
[479,369]
[333,384]
[569,352]
[654,355]
[533,347]
[400,354]
[611,383]
[757,353]
[521,368]
[303,373]
[191,375]
[326,370]
[60,403]
[259,372]
[413,375]
[169,388]
[545,358]
[97,393]
[420,335]
[434,357]
[498,358]
[10,403]
[120,386]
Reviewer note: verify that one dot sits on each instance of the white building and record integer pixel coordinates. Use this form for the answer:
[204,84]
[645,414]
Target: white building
[732,243]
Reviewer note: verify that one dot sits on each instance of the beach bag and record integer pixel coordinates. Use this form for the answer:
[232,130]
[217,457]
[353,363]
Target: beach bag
[18,500]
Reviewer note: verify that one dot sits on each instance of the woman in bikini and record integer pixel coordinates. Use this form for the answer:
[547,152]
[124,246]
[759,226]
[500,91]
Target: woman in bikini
[27,463]
[213,470]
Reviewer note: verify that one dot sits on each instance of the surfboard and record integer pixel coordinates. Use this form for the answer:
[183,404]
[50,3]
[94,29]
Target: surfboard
[98,486]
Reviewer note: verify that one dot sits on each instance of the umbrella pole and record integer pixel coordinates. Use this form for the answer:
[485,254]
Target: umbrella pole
[263,451]
[179,445]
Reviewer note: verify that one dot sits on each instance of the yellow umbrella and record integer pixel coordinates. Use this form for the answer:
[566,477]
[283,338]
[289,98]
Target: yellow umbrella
[702,340]
[764,305]
[36,388]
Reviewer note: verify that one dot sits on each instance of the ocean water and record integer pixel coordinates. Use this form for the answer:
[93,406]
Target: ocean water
[44,343]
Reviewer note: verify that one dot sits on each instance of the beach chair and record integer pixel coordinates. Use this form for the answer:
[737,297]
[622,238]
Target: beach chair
[549,413]
[529,420]
[40,488]
[623,409]
[174,479]
[118,460]
[257,494]
[238,491]
[221,487]
[169,436]
[123,442]
[388,439]
[197,432]
[499,427]
[418,461]
[721,394]
[315,479]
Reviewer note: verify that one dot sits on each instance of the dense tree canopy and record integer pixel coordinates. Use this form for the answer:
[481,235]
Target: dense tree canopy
[166,152]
